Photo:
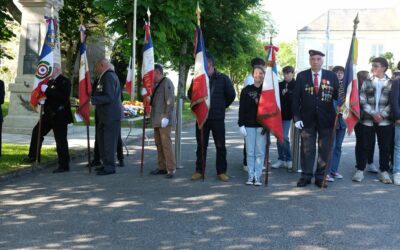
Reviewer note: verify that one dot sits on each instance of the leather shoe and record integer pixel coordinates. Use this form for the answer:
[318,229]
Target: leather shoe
[320,184]
[158,171]
[303,182]
[99,169]
[103,172]
[121,163]
[60,170]
[169,176]
[94,163]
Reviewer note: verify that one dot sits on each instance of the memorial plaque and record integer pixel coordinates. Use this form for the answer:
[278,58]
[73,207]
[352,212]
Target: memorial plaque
[32,46]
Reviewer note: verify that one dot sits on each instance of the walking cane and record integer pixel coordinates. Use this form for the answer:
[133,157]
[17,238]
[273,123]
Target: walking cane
[38,138]
[143,134]
[328,164]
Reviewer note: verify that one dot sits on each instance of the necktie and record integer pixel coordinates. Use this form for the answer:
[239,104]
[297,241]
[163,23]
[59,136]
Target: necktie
[316,83]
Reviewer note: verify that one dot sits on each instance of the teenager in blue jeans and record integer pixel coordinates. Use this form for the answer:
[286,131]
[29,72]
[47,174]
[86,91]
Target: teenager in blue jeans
[250,128]
[332,172]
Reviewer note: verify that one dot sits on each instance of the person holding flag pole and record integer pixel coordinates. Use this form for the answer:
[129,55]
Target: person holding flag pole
[209,87]
[51,89]
[269,108]
[85,89]
[147,80]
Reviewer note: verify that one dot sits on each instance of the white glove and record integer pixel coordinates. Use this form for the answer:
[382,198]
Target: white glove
[144,91]
[299,124]
[43,87]
[164,122]
[243,131]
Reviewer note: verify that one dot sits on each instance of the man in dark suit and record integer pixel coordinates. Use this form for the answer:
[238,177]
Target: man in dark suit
[107,100]
[2,93]
[56,116]
[314,114]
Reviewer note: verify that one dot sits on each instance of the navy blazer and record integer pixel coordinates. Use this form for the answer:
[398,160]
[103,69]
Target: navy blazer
[315,110]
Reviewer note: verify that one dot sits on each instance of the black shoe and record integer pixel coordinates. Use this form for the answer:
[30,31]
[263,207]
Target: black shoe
[303,182]
[121,163]
[169,176]
[103,172]
[320,184]
[60,170]
[158,171]
[29,160]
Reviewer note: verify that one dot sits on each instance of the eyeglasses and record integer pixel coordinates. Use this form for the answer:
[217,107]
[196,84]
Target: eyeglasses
[375,65]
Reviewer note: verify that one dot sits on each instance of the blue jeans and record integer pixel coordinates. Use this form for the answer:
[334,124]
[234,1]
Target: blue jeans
[255,146]
[284,153]
[337,150]
[396,164]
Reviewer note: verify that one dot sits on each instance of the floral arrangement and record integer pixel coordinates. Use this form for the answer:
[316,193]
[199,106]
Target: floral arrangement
[132,108]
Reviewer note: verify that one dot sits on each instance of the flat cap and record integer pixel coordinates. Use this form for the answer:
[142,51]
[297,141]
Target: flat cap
[315,53]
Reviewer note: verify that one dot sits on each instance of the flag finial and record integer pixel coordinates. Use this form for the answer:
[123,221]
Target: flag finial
[356,21]
[198,12]
[148,14]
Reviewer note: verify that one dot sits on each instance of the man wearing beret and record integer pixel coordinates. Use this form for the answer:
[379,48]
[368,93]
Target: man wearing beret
[314,115]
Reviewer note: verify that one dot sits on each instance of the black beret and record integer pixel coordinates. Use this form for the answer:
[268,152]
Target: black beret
[257,61]
[315,53]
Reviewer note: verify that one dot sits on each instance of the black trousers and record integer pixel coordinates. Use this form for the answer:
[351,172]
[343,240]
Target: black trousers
[96,153]
[1,139]
[60,135]
[308,151]
[384,135]
[218,132]
[108,133]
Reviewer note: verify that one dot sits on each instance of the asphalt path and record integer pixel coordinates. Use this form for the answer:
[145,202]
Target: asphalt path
[77,210]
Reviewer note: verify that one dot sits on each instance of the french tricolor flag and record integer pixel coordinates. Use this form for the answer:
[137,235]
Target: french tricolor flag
[128,82]
[269,106]
[200,102]
[147,67]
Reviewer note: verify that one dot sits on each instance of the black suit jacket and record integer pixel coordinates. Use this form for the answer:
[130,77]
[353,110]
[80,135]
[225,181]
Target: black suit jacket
[2,93]
[57,105]
[312,109]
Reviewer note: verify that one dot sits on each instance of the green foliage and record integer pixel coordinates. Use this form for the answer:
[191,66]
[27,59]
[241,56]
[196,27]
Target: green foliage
[287,54]
[6,32]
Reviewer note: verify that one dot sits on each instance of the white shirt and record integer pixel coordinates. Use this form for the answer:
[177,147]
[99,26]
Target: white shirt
[249,80]
[319,76]
[378,86]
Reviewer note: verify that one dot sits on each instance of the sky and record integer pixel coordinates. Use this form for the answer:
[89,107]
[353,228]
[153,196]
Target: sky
[291,15]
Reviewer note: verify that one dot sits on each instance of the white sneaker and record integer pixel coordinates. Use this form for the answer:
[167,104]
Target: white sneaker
[289,164]
[385,178]
[277,164]
[336,175]
[250,181]
[396,179]
[245,168]
[358,176]
[329,178]
[372,168]
[257,182]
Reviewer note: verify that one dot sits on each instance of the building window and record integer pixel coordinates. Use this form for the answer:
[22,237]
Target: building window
[376,50]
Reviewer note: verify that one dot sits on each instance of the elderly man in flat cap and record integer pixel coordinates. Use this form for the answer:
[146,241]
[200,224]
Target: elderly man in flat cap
[314,114]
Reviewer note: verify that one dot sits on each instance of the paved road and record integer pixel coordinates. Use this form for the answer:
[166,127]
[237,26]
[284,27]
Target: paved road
[129,211]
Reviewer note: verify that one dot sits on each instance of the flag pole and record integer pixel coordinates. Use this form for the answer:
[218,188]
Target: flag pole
[39,133]
[87,124]
[134,50]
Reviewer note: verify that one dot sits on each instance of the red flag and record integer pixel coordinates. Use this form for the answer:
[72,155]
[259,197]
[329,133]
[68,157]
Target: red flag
[200,103]
[269,106]
[128,82]
[85,87]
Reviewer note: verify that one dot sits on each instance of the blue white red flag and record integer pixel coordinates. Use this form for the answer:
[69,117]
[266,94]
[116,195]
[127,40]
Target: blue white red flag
[200,101]
[128,82]
[45,65]
[147,68]
[269,106]
[85,86]
[351,105]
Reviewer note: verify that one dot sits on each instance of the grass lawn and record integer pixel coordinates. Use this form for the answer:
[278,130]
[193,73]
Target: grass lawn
[13,154]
